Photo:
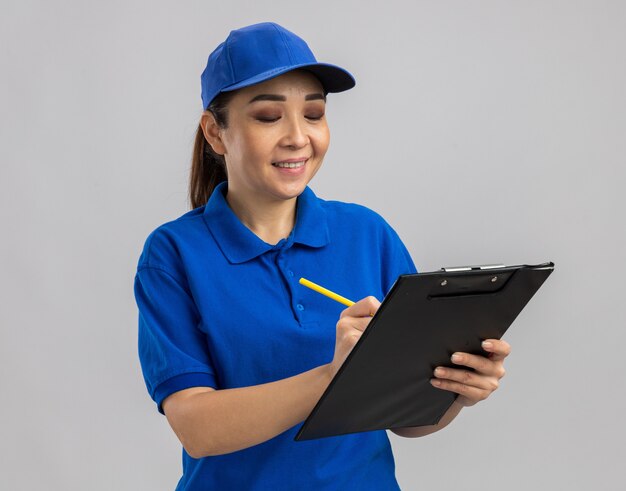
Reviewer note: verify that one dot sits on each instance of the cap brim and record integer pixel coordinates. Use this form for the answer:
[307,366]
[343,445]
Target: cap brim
[332,77]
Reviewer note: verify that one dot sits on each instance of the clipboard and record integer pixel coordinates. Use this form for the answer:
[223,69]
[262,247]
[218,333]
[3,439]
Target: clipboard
[425,317]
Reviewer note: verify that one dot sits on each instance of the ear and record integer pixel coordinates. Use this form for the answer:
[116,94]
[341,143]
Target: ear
[212,132]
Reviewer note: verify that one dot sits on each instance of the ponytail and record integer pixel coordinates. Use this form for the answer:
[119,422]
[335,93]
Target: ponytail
[208,168]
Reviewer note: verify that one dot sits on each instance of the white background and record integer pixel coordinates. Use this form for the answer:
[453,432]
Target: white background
[483,131]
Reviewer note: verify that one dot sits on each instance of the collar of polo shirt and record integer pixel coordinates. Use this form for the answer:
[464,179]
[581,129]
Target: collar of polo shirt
[239,244]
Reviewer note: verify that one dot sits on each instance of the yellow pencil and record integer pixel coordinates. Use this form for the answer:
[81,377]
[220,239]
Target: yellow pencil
[324,291]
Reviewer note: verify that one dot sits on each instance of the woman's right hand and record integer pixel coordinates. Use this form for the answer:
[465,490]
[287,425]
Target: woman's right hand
[352,322]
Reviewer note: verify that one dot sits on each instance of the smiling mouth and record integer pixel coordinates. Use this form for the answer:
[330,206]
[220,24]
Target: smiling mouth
[289,165]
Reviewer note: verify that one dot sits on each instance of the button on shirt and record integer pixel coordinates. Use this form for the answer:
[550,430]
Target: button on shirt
[221,308]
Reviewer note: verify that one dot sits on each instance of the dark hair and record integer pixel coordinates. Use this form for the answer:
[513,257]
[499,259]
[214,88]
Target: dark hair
[208,168]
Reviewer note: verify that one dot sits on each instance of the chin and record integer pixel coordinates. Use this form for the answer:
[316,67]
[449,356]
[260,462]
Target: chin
[290,192]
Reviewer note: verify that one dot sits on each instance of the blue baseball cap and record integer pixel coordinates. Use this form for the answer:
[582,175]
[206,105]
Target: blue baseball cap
[262,51]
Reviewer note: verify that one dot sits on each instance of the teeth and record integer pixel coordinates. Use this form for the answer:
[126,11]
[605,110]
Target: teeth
[288,165]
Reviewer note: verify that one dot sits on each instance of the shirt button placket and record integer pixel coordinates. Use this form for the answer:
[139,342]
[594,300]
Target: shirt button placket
[288,274]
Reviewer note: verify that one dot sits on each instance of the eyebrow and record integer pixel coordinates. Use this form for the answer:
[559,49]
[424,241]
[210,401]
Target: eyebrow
[282,98]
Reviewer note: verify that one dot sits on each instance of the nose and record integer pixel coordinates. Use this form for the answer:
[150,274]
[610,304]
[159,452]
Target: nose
[296,135]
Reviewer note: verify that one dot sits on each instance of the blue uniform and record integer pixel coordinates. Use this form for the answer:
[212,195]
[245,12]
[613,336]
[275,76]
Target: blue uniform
[221,308]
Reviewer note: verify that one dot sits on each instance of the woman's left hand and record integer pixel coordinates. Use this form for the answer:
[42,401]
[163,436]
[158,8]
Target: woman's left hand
[474,386]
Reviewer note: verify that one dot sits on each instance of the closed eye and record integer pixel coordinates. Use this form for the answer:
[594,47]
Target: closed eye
[266,119]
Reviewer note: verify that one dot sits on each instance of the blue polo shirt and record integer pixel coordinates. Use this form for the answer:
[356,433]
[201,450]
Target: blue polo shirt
[221,308]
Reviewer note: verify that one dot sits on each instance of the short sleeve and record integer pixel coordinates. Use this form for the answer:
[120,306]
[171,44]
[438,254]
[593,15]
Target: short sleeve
[172,348]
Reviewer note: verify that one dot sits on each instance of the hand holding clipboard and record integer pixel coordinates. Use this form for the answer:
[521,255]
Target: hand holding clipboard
[471,386]
[385,381]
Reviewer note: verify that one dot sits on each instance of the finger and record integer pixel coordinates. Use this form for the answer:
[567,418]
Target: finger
[481,364]
[348,323]
[473,393]
[466,377]
[498,349]
[366,307]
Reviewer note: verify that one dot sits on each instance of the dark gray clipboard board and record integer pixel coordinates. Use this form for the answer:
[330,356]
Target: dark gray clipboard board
[425,317]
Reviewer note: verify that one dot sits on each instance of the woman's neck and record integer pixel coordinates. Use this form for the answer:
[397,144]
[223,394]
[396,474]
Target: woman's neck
[271,220]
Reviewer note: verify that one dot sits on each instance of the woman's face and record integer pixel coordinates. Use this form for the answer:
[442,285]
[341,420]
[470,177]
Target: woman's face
[276,137]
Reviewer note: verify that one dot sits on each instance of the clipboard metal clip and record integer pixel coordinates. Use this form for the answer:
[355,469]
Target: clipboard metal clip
[482,267]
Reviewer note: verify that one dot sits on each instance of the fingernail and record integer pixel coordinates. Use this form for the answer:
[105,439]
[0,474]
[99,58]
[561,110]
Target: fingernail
[435,382]
[440,372]
[456,358]
[487,344]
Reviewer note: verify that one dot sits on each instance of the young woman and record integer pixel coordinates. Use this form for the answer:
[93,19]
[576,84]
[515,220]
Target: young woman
[234,351]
